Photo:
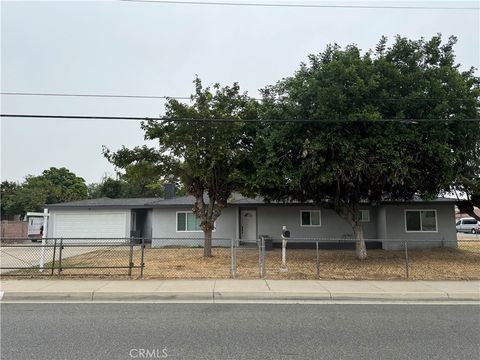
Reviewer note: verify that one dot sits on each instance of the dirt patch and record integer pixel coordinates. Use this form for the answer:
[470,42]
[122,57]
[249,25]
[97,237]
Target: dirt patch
[188,263]
[434,264]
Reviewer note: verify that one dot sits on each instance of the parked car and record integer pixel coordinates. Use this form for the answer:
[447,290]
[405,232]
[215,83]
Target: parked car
[468,225]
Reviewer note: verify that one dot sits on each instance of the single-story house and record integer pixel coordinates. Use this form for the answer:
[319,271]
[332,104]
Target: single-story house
[160,219]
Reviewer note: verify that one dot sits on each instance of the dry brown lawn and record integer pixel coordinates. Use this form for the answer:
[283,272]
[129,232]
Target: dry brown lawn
[188,263]
[434,264]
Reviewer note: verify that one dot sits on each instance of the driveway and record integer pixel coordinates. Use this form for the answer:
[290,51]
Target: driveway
[463,236]
[26,255]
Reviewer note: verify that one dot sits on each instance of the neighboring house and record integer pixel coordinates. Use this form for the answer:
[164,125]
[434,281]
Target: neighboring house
[159,219]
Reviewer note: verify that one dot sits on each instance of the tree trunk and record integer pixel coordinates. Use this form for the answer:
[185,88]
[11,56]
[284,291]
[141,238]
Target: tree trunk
[360,248]
[351,215]
[467,207]
[207,248]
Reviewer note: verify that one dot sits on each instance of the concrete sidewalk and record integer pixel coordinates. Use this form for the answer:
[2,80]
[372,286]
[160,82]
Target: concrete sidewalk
[144,290]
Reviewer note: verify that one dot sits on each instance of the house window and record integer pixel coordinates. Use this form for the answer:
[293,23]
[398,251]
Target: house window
[421,220]
[364,215]
[187,221]
[310,218]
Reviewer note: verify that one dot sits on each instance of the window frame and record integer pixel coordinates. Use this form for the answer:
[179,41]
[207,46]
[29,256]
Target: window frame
[368,215]
[310,211]
[186,212]
[421,224]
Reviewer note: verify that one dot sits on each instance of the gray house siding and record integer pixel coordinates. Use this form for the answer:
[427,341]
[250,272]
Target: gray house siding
[387,223]
[164,228]
[147,226]
[272,218]
[158,220]
[396,228]
[381,222]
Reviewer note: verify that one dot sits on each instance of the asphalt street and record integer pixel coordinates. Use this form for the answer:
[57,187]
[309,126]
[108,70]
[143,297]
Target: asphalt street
[239,331]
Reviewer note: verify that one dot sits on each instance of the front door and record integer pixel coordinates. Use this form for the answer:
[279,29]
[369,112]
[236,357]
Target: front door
[248,224]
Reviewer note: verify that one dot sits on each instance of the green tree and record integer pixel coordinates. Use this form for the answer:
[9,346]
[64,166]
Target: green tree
[108,187]
[7,189]
[127,186]
[62,184]
[206,156]
[138,170]
[347,155]
[53,186]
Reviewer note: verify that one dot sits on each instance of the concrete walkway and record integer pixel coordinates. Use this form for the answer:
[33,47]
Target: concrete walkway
[28,255]
[144,290]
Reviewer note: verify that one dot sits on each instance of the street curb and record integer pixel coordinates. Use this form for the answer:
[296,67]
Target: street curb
[42,296]
[235,295]
[157,295]
[390,296]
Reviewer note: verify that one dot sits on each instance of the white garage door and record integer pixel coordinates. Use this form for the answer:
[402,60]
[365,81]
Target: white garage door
[90,225]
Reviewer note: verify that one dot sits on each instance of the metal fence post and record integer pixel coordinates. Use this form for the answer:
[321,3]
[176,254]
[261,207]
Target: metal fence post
[235,248]
[318,261]
[263,256]
[54,250]
[407,265]
[60,257]
[259,243]
[130,257]
[232,259]
[142,265]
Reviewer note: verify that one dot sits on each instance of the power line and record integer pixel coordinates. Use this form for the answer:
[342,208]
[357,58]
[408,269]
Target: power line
[229,120]
[166,97]
[215,3]
[95,95]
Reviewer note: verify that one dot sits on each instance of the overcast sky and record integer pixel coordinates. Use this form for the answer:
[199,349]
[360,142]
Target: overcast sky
[114,47]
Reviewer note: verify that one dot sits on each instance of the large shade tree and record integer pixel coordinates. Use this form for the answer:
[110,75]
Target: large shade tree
[207,156]
[361,142]
[128,185]
[54,185]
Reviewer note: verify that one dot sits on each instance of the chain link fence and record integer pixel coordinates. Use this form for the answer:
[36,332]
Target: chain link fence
[183,258]
[72,257]
[322,258]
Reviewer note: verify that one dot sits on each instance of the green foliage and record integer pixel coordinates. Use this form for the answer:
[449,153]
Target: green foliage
[207,157]
[53,186]
[142,172]
[341,164]
[7,191]
[123,188]
[108,187]
[62,185]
